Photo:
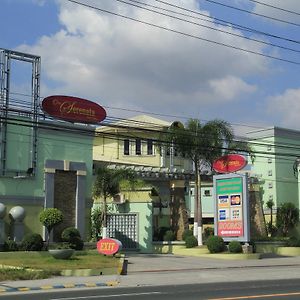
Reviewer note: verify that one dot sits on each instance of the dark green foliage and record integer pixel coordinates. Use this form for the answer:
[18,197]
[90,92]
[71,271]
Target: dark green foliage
[187,233]
[32,242]
[159,233]
[287,218]
[191,241]
[293,242]
[169,236]
[208,231]
[235,247]
[215,244]
[10,245]
[71,235]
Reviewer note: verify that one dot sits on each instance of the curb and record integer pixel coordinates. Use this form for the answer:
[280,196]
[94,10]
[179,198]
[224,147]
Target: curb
[58,286]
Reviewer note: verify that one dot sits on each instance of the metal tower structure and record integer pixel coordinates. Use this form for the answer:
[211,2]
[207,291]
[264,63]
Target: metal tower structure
[10,111]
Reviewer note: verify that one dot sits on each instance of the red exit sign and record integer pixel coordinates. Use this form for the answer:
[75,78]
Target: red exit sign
[109,246]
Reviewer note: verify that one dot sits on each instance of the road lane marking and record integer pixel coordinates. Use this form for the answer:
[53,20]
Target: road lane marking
[108,296]
[259,296]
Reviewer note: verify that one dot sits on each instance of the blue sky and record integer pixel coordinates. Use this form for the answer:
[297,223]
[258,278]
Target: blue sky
[127,66]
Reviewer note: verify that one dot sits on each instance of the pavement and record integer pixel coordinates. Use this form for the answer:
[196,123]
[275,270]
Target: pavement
[168,269]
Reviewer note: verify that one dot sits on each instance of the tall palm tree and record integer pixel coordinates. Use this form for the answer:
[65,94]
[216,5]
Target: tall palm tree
[203,143]
[108,183]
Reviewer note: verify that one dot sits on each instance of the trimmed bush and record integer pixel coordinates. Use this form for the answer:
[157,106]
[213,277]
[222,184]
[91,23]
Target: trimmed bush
[10,245]
[191,241]
[71,235]
[32,242]
[169,236]
[187,233]
[215,244]
[235,247]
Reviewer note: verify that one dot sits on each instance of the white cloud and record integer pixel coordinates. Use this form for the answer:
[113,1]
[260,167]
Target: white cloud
[230,87]
[123,63]
[287,106]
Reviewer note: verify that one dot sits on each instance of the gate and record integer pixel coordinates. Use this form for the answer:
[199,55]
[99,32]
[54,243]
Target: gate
[123,227]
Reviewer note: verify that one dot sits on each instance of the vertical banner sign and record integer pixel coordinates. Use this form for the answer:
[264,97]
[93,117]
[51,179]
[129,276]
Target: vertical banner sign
[231,213]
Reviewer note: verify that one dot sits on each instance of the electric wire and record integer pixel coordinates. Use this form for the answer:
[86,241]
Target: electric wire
[276,7]
[186,34]
[152,127]
[229,23]
[212,28]
[253,13]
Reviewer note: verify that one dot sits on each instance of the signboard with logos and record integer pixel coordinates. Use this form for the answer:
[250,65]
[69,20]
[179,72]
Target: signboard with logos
[73,109]
[231,207]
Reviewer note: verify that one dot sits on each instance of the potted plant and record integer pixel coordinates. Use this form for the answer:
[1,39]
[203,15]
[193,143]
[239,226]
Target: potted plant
[62,251]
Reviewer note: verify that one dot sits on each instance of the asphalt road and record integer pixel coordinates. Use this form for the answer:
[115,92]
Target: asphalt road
[269,289]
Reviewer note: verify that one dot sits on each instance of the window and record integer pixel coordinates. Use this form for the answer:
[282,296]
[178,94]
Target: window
[270,185]
[269,160]
[126,147]
[270,197]
[138,147]
[149,147]
[270,173]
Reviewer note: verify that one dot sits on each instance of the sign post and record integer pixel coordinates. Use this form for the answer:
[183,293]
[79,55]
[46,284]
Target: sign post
[232,207]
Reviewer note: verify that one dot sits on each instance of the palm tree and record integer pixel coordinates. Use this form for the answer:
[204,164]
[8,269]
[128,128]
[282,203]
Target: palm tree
[108,183]
[203,143]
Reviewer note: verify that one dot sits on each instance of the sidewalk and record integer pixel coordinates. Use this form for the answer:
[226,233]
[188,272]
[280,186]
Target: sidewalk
[143,269]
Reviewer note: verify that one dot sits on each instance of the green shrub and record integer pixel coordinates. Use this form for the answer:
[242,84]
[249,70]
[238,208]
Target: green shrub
[293,242]
[191,241]
[215,244]
[208,231]
[32,242]
[169,236]
[10,245]
[159,233]
[71,235]
[187,233]
[287,217]
[235,247]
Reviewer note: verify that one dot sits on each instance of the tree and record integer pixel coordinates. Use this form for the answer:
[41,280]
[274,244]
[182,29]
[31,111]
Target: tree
[287,217]
[108,183]
[203,143]
[50,217]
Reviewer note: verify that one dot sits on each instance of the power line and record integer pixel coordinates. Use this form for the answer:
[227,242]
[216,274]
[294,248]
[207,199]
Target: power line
[253,13]
[276,7]
[186,34]
[209,27]
[229,23]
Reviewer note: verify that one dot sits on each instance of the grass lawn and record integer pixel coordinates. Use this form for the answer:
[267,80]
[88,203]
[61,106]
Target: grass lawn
[50,266]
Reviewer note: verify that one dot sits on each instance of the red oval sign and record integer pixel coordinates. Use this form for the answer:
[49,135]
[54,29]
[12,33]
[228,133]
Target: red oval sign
[229,163]
[73,109]
[109,246]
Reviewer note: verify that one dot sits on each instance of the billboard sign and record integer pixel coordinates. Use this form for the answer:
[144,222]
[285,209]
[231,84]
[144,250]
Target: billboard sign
[229,163]
[73,109]
[231,207]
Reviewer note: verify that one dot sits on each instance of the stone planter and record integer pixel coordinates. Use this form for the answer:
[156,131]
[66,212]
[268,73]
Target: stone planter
[61,253]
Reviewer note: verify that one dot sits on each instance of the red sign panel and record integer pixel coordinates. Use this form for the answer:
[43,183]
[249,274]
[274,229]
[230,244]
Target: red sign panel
[73,109]
[231,228]
[109,246]
[229,163]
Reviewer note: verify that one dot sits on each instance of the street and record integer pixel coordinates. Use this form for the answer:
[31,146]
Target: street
[278,289]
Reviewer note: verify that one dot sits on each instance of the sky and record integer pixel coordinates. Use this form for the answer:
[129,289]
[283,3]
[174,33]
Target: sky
[191,70]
